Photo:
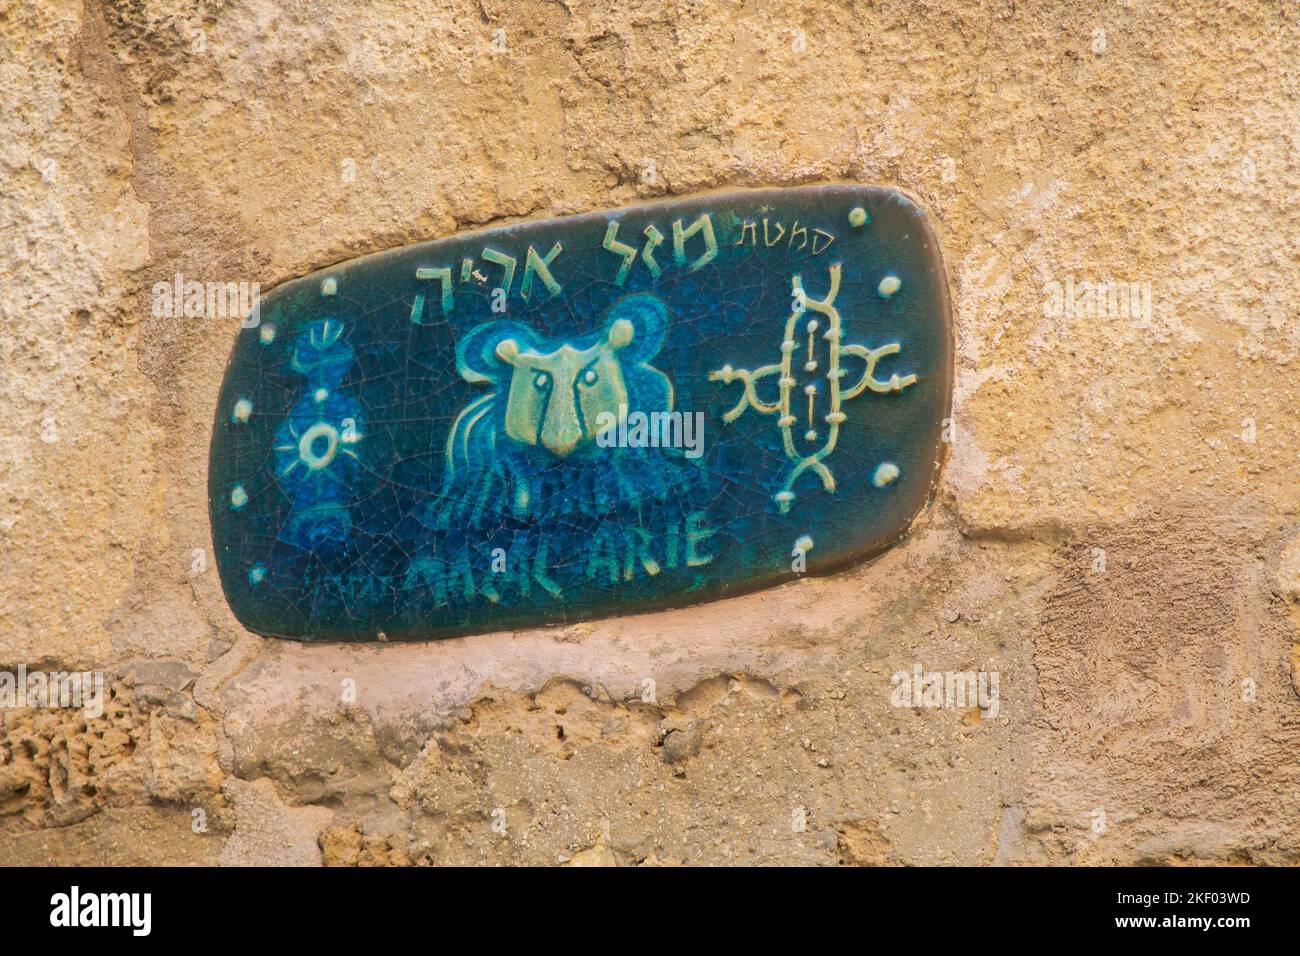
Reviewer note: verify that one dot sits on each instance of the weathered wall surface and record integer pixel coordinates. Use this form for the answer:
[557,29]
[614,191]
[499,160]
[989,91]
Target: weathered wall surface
[1117,535]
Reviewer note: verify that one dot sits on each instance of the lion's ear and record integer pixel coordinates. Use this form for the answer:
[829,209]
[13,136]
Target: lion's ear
[647,318]
[477,358]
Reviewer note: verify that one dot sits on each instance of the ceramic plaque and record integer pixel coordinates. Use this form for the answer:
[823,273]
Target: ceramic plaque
[606,413]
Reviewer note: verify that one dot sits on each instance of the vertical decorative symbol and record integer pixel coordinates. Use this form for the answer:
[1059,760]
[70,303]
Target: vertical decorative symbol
[316,446]
[783,406]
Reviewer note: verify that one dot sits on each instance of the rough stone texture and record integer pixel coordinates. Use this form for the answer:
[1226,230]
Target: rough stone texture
[1117,534]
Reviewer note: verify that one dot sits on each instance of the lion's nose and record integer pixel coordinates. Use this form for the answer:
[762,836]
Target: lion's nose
[562,441]
[561,431]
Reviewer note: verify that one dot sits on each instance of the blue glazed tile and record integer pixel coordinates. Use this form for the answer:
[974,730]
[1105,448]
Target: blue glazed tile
[614,412]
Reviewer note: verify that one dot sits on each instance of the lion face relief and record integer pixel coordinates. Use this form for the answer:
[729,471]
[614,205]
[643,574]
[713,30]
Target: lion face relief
[552,394]
[527,445]
[556,398]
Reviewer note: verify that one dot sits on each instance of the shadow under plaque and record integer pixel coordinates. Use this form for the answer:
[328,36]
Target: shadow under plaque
[613,412]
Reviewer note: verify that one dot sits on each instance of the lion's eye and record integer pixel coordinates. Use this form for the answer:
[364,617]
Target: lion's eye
[542,382]
[590,377]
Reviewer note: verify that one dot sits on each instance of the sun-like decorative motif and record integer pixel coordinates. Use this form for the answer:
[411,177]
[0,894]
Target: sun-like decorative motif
[317,447]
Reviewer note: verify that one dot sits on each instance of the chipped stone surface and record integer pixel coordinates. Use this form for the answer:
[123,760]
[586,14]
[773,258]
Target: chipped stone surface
[1115,534]
[267,831]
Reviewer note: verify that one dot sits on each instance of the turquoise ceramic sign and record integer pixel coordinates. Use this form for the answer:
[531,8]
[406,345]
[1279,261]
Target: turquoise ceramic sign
[606,413]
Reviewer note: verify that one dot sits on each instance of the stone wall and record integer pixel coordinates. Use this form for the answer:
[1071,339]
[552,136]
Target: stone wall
[1117,533]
